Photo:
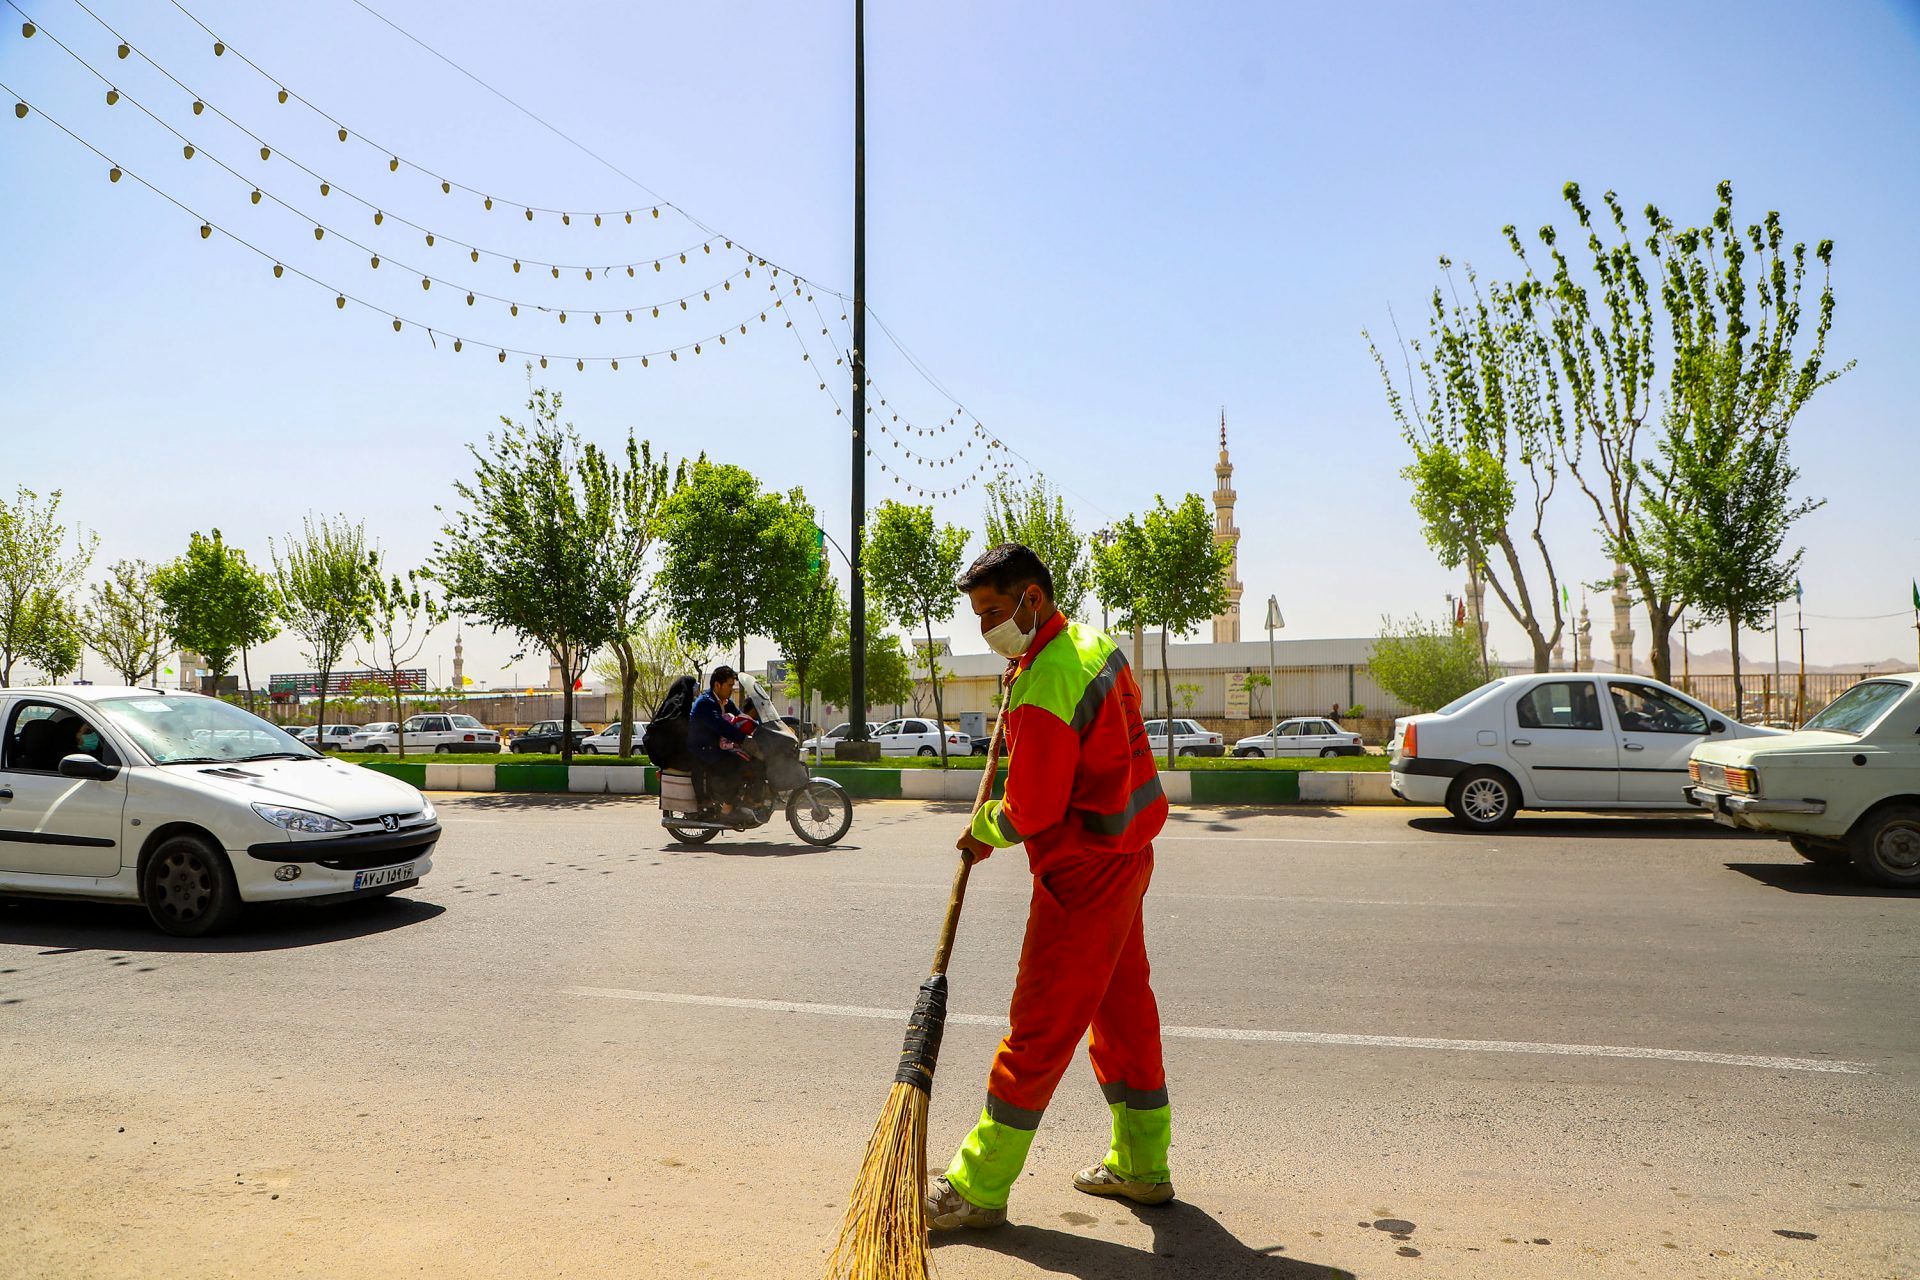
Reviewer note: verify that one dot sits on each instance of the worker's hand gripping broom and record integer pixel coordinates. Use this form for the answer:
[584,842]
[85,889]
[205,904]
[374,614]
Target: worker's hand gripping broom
[884,1235]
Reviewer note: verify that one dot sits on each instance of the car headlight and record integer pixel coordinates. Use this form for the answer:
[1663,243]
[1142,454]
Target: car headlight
[300,820]
[427,813]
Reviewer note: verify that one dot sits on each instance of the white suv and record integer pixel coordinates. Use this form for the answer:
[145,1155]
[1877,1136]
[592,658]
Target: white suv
[1555,740]
[438,733]
[1189,739]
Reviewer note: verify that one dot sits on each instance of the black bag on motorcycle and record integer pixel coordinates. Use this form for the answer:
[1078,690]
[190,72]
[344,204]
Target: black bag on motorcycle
[665,741]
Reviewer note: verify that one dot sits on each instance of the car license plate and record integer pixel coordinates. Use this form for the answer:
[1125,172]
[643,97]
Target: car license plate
[381,876]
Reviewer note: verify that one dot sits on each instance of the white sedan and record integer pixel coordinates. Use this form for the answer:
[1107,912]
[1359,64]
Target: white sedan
[607,741]
[1305,737]
[1555,740]
[362,739]
[439,733]
[1189,738]
[192,807]
[918,737]
[337,737]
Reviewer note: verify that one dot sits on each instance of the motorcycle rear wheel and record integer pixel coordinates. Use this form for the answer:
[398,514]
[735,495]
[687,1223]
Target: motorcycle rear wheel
[820,813]
[691,835]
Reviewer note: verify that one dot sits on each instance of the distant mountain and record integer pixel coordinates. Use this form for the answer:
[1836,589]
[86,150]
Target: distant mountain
[1720,662]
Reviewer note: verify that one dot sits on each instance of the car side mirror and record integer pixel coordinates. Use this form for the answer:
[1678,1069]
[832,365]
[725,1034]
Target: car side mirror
[1718,726]
[83,766]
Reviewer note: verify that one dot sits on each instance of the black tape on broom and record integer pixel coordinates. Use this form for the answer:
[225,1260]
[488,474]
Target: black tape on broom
[924,1028]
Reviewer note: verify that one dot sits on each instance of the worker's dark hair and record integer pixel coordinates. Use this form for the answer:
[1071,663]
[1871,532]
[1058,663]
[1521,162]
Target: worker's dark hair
[1006,568]
[721,673]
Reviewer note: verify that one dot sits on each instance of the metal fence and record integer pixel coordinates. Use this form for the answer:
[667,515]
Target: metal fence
[1768,700]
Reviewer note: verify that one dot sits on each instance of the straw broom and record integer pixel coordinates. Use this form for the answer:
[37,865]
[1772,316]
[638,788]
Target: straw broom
[884,1235]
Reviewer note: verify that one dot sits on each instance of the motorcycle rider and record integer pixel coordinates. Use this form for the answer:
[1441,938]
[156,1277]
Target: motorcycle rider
[714,731]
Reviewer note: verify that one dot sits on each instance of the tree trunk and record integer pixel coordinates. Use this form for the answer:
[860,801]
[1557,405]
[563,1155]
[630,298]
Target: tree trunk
[1166,687]
[933,675]
[246,674]
[1542,651]
[399,716]
[629,677]
[320,723]
[1660,625]
[565,656]
[1739,698]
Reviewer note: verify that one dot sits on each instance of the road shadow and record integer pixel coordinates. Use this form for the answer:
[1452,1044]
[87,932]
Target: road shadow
[1624,827]
[1216,817]
[1811,877]
[536,801]
[1187,1242]
[71,926]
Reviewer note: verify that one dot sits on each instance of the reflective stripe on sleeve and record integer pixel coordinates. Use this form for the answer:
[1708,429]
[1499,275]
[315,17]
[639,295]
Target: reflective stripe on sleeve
[991,826]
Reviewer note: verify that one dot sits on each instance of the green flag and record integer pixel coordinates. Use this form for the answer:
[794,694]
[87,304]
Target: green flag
[1916,594]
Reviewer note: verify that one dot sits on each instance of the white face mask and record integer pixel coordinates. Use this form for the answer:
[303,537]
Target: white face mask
[1010,640]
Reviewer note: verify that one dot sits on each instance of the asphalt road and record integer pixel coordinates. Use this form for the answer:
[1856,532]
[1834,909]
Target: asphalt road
[1587,1047]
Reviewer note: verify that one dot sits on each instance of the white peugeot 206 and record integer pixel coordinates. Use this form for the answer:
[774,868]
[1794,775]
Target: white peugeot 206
[193,807]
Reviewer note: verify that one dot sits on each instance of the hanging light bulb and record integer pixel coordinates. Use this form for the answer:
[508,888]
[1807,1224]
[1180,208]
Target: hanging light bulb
[596,317]
[205,231]
[446,188]
[469,299]
[429,239]
[393,165]
[705,296]
[563,317]
[283,97]
[683,304]
[580,365]
[543,362]
[326,188]
[376,262]
[589,273]
[596,222]
[218,48]
[629,317]
[26,30]
[319,232]
[503,357]
[187,151]
[683,259]
[378,217]
[629,272]
[396,324]
[516,266]
[643,359]
[614,363]
[489,203]
[707,248]
[113,96]
[456,344]
[343,135]
[656,211]
[630,220]
[123,51]
[529,215]
[20,111]
[266,153]
[278,271]
[474,254]
[556,273]
[113,174]
[673,355]
[426,282]
[513,308]
[727,285]
[656,313]
[656,264]
[566,219]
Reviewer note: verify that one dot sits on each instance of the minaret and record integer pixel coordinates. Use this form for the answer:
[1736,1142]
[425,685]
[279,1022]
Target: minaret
[1583,638]
[1226,626]
[1622,622]
[459,662]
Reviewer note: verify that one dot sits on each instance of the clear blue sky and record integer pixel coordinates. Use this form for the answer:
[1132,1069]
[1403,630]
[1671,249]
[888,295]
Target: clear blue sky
[1095,223]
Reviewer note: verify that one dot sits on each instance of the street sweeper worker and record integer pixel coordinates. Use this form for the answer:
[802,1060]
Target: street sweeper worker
[1083,795]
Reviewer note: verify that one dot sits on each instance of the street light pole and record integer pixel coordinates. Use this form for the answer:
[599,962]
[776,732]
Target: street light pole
[857,592]
[1800,698]
[1274,623]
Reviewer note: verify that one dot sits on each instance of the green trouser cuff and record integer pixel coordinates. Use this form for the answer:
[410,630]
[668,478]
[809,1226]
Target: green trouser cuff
[988,1162]
[1140,1142]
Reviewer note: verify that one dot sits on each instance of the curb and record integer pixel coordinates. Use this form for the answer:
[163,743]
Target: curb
[1196,786]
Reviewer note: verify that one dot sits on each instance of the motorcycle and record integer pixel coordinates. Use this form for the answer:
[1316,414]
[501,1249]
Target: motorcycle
[818,809]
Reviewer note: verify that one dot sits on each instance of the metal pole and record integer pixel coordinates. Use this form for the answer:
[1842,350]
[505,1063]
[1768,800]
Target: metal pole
[1273,675]
[1776,660]
[1800,625]
[857,603]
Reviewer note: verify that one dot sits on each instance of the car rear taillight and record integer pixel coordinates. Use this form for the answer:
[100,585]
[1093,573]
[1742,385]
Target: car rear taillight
[1410,743]
[1743,781]
[468,738]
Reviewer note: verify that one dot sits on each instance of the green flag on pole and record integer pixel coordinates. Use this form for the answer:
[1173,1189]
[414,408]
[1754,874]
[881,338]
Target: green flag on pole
[1916,594]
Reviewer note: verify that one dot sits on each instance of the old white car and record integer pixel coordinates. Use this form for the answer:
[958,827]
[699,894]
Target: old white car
[1845,788]
[437,732]
[1308,736]
[1555,740]
[191,806]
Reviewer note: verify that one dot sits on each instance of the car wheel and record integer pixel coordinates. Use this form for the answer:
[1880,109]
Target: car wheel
[1328,753]
[589,749]
[188,888]
[1824,853]
[1246,753]
[928,751]
[1483,799]
[443,750]
[1886,846]
[691,835]
[378,748]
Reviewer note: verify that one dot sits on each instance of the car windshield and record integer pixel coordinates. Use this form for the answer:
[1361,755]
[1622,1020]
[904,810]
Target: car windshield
[1856,710]
[466,722]
[1465,699]
[190,729]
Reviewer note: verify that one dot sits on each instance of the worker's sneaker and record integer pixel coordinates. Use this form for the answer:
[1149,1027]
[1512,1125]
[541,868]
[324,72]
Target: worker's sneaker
[1102,1181]
[947,1209]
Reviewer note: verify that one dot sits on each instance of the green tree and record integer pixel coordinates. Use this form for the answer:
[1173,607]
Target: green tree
[36,567]
[55,641]
[1186,694]
[911,567]
[732,555]
[1724,532]
[1729,338]
[217,604]
[526,552]
[126,621]
[325,578]
[806,632]
[399,618]
[637,489]
[1034,514]
[660,657]
[1256,681]
[1164,569]
[1487,447]
[889,671]
[1424,664]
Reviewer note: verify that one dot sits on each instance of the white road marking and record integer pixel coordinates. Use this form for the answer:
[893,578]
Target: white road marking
[1822,1065]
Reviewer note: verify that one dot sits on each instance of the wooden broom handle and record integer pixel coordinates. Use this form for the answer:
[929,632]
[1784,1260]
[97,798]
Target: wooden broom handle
[951,925]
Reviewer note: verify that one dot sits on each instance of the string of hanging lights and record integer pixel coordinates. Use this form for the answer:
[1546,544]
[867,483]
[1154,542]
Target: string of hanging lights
[328,188]
[342,299]
[396,162]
